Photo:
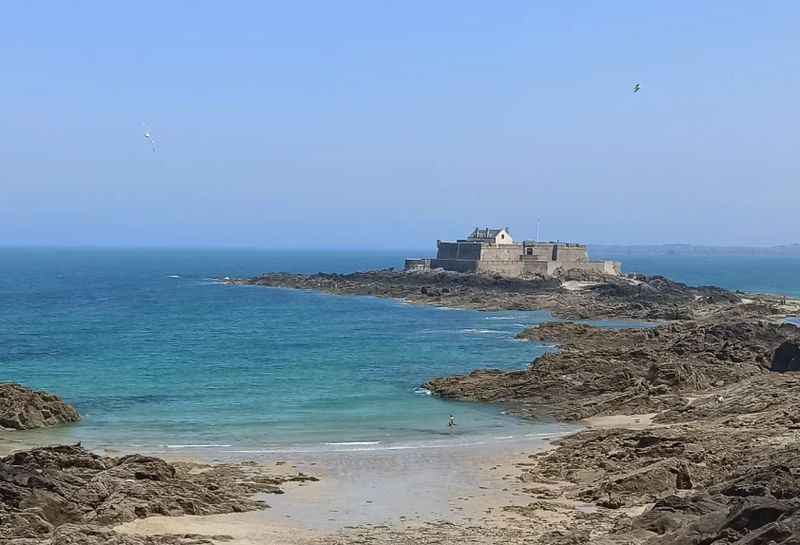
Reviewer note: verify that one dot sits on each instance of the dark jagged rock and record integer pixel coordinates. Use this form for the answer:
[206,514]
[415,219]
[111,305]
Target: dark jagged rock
[756,505]
[637,297]
[602,372]
[25,409]
[66,494]
[786,357]
[721,465]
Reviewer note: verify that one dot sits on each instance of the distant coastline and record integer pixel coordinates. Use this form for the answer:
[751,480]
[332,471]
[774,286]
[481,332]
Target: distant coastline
[785,250]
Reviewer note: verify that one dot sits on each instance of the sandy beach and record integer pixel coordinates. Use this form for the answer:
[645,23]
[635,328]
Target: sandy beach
[366,496]
[377,493]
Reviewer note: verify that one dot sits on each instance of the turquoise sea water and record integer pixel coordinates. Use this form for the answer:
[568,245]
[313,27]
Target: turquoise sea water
[157,355]
[760,274]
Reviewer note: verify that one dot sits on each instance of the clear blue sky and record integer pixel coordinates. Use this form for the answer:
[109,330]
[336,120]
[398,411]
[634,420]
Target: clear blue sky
[391,124]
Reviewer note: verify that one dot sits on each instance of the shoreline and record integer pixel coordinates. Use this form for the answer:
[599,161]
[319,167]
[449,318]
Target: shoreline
[639,298]
[379,488]
[369,493]
[606,481]
[689,399]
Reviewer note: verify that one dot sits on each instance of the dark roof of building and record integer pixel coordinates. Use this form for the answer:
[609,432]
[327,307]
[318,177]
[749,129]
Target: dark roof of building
[487,233]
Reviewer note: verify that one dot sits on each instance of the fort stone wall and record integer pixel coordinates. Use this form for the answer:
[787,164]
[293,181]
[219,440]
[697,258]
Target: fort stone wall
[572,254]
[504,252]
[511,259]
[554,251]
[504,268]
[458,250]
[458,265]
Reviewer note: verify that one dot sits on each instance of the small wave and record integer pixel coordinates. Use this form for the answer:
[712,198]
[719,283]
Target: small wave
[499,318]
[549,434]
[198,446]
[355,448]
[348,443]
[422,391]
[485,331]
[174,276]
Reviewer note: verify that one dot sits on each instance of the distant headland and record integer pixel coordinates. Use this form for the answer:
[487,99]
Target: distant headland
[784,250]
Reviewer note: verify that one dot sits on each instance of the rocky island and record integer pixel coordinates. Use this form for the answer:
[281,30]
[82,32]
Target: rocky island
[573,295]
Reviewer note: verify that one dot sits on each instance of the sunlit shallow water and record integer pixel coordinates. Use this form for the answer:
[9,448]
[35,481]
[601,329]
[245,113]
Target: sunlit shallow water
[158,356]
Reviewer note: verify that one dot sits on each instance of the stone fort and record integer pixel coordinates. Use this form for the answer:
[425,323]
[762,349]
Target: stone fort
[494,251]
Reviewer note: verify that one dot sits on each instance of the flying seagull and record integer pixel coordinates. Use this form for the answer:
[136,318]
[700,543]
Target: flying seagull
[636,88]
[149,138]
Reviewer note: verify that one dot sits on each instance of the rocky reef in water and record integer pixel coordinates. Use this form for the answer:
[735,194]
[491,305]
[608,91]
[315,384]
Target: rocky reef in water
[25,409]
[66,495]
[574,295]
[600,371]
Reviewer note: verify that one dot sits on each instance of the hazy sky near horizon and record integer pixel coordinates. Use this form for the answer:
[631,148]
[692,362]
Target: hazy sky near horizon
[391,124]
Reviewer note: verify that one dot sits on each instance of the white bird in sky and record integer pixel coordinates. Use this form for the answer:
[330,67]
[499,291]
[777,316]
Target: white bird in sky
[149,138]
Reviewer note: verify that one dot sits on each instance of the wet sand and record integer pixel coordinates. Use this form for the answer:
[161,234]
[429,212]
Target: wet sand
[382,493]
[373,490]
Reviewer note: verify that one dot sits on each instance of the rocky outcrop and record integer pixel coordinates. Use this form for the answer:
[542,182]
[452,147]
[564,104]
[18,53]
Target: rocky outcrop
[67,495]
[755,505]
[726,474]
[638,297]
[786,357]
[24,409]
[720,464]
[602,372]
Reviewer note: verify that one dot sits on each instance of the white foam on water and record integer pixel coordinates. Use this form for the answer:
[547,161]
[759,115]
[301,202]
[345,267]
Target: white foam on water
[422,391]
[372,448]
[550,434]
[174,276]
[198,446]
[345,443]
[377,446]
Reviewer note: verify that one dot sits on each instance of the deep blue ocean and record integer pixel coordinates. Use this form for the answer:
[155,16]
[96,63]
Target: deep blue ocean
[158,355]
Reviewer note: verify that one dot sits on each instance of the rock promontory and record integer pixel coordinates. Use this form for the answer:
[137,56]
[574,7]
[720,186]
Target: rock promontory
[24,409]
[601,371]
[694,437]
[570,296]
[68,495]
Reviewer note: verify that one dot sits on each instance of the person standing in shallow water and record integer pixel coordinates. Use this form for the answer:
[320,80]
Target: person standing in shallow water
[451,422]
